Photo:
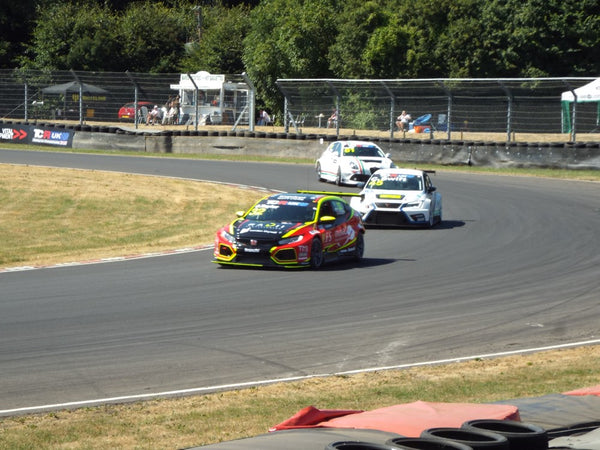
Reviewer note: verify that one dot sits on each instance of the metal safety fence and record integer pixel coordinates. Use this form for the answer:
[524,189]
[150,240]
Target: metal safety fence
[444,106]
[138,98]
[565,107]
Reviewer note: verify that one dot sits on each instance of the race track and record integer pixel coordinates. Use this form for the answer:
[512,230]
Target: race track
[513,266]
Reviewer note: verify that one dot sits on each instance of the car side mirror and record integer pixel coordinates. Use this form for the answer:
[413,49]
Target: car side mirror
[327,219]
[432,189]
[239,213]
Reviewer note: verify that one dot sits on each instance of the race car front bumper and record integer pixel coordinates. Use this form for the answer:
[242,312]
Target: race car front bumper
[261,254]
[396,217]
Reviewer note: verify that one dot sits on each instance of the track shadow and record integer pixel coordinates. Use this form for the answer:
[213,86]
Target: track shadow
[444,225]
[449,224]
[328,266]
[331,266]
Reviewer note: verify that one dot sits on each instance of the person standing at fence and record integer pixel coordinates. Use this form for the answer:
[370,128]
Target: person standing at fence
[402,122]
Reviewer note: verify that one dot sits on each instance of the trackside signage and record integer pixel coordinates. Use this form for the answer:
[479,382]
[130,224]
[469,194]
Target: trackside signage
[30,134]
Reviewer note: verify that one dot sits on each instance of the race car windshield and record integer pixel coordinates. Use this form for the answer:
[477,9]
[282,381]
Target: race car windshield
[396,183]
[282,212]
[363,151]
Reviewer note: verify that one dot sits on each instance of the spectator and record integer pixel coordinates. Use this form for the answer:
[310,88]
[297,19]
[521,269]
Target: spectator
[332,121]
[403,121]
[264,118]
[153,116]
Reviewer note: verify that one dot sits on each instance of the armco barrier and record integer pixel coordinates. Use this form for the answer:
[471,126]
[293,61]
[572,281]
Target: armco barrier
[290,145]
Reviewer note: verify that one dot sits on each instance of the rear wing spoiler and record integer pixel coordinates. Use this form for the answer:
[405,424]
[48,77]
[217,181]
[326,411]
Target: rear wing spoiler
[337,194]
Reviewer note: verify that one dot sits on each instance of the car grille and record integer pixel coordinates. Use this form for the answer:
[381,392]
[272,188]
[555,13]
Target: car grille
[387,218]
[388,205]
[254,251]
[260,243]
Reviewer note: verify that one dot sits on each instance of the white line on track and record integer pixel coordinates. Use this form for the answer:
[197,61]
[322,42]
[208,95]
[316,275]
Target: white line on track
[207,389]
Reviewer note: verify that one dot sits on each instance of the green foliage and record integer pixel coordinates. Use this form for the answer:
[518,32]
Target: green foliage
[362,29]
[287,40]
[152,37]
[72,36]
[359,112]
[219,48]
[146,37]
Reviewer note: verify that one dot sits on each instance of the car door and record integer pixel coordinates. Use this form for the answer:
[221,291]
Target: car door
[338,233]
[333,158]
[430,192]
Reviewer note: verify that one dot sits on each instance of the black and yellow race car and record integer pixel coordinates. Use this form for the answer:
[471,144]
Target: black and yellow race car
[291,230]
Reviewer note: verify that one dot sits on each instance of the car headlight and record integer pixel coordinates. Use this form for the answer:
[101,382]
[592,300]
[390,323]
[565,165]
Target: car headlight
[227,236]
[353,165]
[417,202]
[290,240]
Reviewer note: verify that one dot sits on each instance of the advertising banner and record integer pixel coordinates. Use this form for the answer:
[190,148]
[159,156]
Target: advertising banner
[31,134]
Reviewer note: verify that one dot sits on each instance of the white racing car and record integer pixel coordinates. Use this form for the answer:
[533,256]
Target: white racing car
[351,162]
[399,197]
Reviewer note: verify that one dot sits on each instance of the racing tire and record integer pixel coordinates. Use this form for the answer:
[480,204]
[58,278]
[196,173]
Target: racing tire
[360,248]
[338,178]
[521,436]
[355,445]
[316,254]
[472,438]
[319,175]
[426,444]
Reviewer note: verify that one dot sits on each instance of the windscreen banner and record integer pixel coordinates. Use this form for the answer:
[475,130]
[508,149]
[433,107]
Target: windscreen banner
[31,134]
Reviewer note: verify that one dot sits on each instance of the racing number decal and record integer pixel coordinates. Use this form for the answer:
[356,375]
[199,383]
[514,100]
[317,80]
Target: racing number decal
[378,182]
[257,211]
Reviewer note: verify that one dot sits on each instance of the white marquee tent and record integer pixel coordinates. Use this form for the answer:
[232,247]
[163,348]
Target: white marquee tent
[585,94]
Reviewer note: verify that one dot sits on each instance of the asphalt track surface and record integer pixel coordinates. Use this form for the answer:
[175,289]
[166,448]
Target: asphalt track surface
[514,265]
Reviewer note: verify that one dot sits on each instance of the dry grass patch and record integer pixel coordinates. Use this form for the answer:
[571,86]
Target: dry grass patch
[50,215]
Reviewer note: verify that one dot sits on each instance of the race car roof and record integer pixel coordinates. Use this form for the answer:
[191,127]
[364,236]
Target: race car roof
[296,196]
[400,171]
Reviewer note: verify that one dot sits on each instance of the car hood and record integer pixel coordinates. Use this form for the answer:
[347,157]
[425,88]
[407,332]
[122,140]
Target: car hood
[370,159]
[259,229]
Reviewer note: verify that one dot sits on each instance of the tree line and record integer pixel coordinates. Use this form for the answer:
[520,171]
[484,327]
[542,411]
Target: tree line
[271,39]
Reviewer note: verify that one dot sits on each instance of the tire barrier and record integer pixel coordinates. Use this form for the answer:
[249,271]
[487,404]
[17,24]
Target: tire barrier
[571,155]
[521,436]
[426,444]
[472,438]
[356,445]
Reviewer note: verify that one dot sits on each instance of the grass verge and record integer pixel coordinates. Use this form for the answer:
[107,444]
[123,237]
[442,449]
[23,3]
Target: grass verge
[204,419]
[57,215]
